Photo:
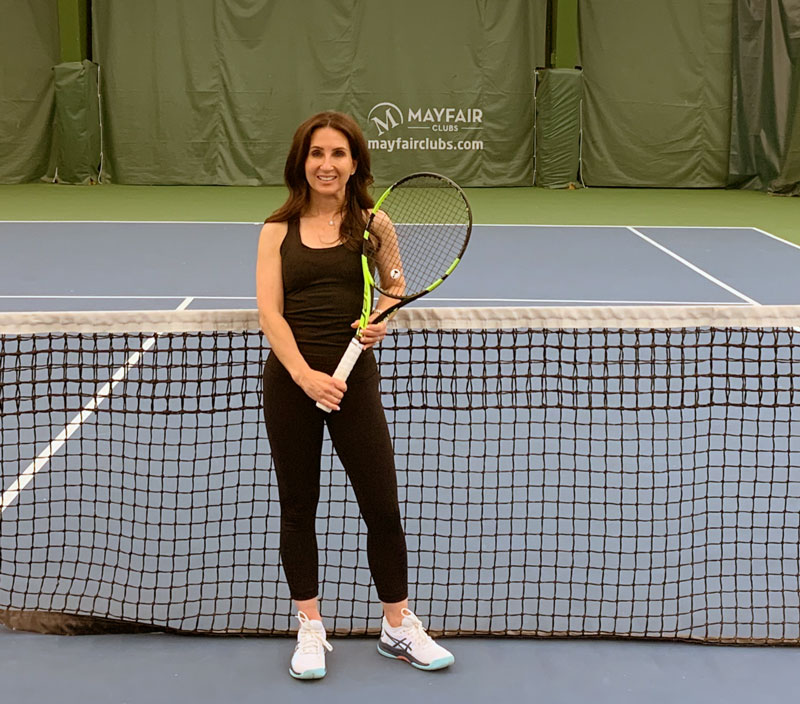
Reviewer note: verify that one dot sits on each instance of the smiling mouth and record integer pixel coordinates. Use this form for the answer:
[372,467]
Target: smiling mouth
[327,178]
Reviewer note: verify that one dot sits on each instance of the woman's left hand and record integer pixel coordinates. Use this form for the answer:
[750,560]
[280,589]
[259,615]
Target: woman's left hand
[373,333]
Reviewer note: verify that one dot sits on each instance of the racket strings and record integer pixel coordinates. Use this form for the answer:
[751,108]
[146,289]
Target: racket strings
[432,223]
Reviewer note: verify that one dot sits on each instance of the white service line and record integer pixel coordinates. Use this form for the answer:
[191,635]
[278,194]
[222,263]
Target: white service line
[131,222]
[481,224]
[26,477]
[693,227]
[775,237]
[694,267]
[560,301]
[136,297]
[87,297]
[573,301]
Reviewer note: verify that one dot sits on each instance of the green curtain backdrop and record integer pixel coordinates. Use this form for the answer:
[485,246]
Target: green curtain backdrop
[77,122]
[765,130]
[29,48]
[210,91]
[558,127]
[657,92]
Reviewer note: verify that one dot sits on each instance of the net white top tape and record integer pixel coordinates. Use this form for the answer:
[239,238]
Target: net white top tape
[586,317]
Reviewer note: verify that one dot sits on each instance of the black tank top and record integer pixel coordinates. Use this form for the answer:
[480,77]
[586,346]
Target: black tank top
[322,295]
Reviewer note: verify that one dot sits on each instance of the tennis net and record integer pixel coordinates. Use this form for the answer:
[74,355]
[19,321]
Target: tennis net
[585,472]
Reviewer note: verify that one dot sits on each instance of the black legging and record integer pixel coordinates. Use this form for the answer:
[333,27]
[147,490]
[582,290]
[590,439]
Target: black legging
[361,439]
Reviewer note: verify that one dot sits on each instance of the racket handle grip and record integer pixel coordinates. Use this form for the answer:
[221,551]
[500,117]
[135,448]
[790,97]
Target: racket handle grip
[346,364]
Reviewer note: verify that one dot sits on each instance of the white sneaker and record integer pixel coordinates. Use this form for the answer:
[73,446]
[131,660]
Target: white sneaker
[308,661]
[411,643]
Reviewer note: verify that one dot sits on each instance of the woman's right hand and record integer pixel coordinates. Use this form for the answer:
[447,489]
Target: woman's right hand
[322,388]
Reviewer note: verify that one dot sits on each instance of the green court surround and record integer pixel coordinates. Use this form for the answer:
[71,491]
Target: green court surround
[778,215]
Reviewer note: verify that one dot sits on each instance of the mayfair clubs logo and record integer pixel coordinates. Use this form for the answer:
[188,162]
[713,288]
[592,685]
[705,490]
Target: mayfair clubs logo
[385,117]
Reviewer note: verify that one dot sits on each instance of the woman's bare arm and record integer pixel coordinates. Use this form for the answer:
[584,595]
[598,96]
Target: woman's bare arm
[269,293]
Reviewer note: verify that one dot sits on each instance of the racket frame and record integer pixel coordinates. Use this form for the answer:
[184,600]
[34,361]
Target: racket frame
[369,281]
[355,346]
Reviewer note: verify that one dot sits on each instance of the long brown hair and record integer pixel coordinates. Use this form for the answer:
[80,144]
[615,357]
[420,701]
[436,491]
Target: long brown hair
[357,198]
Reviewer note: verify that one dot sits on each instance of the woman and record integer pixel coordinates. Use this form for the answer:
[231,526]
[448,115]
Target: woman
[310,289]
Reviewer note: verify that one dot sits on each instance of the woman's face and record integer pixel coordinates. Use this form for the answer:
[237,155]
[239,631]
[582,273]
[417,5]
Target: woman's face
[329,163]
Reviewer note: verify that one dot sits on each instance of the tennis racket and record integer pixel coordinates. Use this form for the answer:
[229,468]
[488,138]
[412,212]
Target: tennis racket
[415,236]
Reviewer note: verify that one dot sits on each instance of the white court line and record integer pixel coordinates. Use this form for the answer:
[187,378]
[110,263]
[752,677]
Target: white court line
[26,477]
[775,237]
[481,224]
[134,222]
[695,227]
[61,296]
[123,298]
[591,301]
[694,267]
[618,227]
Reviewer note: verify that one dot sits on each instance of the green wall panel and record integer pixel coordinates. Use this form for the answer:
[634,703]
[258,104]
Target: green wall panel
[657,92]
[29,48]
[765,131]
[210,91]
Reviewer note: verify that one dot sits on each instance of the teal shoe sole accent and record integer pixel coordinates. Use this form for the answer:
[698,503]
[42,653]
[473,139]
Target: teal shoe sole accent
[317,674]
[384,653]
[439,664]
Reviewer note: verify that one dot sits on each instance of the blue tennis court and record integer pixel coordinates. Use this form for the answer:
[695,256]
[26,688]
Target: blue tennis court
[204,266]
[111,266]
[595,420]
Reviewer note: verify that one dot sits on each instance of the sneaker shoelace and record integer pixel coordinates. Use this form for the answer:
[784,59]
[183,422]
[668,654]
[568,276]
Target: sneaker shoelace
[309,639]
[416,630]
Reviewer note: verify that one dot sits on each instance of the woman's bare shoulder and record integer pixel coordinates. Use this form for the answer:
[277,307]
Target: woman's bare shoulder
[273,234]
[381,222]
